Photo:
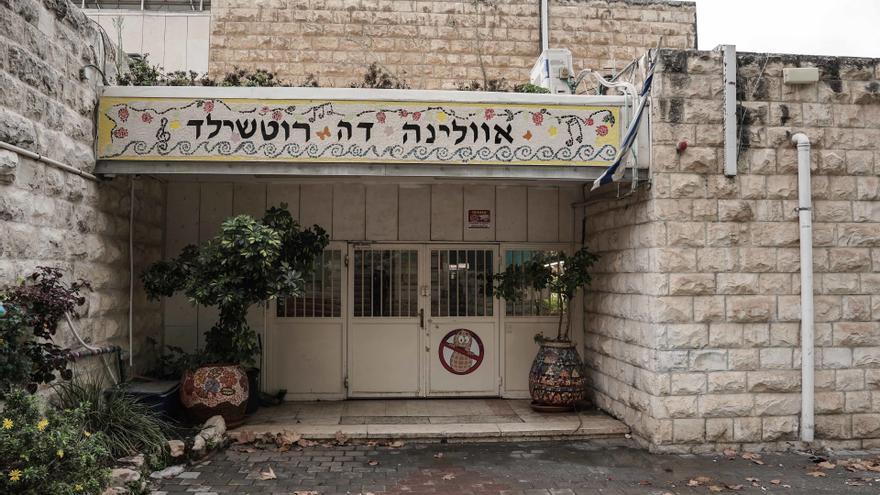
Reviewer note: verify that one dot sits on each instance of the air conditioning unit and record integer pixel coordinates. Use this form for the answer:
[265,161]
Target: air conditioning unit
[552,70]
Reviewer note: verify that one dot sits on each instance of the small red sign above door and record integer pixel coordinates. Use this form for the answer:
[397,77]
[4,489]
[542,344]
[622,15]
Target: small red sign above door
[479,219]
[461,351]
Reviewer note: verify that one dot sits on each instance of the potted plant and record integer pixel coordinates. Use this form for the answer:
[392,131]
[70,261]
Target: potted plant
[556,379]
[249,262]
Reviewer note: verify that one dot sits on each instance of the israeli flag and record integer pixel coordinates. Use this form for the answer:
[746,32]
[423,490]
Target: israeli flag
[615,172]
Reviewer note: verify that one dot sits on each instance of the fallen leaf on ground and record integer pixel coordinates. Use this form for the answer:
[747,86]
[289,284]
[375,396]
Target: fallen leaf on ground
[310,492]
[645,483]
[341,438]
[699,481]
[287,438]
[397,444]
[775,482]
[817,474]
[730,453]
[734,487]
[826,465]
[751,456]
[302,442]
[715,488]
[753,480]
[449,476]
[268,474]
[246,436]
[438,455]
[373,462]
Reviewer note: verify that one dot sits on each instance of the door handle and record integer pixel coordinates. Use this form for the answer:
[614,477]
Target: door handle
[421,318]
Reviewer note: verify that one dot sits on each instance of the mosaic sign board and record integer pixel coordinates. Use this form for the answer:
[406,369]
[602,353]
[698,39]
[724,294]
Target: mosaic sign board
[349,131]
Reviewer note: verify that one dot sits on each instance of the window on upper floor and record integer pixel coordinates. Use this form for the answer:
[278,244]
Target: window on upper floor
[166,5]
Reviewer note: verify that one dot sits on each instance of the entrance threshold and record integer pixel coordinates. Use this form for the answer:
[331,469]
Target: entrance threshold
[430,420]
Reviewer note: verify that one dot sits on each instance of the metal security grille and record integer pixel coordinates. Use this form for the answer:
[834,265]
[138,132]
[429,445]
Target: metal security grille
[386,283]
[533,303]
[461,282]
[322,293]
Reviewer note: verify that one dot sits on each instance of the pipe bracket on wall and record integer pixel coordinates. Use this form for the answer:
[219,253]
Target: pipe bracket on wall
[728,53]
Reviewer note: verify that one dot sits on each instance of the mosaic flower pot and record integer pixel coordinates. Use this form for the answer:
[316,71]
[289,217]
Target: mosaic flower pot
[215,389]
[556,380]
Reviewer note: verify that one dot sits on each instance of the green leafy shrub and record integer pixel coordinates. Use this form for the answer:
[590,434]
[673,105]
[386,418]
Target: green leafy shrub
[563,274]
[48,453]
[499,85]
[15,364]
[529,88]
[170,364]
[377,77]
[246,78]
[140,73]
[249,262]
[37,304]
[128,427]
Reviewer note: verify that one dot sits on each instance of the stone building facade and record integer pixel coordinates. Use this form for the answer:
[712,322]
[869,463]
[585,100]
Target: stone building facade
[692,323]
[50,217]
[436,44]
[695,320]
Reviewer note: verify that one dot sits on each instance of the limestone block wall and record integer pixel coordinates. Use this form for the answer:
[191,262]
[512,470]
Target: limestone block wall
[55,218]
[435,44]
[716,361]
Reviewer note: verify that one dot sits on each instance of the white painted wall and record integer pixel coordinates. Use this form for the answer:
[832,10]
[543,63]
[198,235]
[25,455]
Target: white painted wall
[173,40]
[357,211]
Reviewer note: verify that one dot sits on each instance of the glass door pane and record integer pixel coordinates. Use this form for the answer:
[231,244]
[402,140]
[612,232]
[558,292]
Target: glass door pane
[322,291]
[461,282]
[385,283]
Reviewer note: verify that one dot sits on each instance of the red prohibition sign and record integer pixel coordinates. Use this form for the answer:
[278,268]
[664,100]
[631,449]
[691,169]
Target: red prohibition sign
[463,359]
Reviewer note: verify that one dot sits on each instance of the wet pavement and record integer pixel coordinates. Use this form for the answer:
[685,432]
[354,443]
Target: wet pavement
[527,468]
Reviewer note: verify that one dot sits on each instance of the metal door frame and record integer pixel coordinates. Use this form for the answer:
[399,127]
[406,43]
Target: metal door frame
[350,318]
[274,324]
[495,248]
[424,308]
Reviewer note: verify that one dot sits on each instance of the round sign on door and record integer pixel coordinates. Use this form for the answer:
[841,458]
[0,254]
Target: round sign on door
[461,351]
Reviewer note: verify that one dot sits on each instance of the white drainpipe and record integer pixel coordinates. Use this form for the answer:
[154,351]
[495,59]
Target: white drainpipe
[545,26]
[805,213]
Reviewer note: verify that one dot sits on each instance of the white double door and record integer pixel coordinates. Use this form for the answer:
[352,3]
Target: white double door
[422,321]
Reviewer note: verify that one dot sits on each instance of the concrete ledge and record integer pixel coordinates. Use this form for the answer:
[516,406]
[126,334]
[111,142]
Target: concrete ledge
[593,426]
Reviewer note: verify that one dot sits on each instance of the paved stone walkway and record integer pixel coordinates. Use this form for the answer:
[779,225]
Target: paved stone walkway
[545,468]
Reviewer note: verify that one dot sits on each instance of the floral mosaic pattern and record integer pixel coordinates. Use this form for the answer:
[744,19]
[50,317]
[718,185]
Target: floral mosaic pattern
[351,131]
[212,386]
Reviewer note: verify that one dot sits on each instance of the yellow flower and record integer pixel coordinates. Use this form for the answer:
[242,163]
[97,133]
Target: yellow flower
[15,475]
[7,424]
[441,116]
[42,424]
[87,434]
[78,487]
[60,453]
[552,131]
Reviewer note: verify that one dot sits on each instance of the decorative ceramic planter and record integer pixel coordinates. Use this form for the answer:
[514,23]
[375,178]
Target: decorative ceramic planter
[556,380]
[215,389]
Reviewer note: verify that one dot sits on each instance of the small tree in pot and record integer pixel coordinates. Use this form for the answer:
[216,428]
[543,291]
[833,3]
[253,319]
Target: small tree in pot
[556,380]
[249,262]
